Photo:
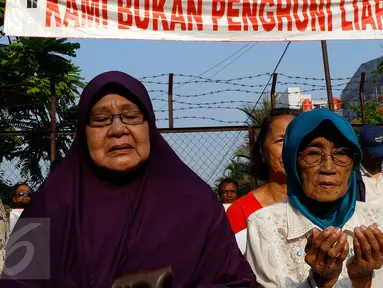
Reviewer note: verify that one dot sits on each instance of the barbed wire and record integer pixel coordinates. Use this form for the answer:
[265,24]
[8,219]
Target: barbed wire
[216,92]
[254,92]
[152,76]
[209,79]
[265,74]
[201,79]
[313,78]
[232,82]
[157,91]
[209,103]
[315,102]
[299,81]
[230,79]
[249,77]
[371,90]
[200,107]
[202,118]
[219,91]
[213,105]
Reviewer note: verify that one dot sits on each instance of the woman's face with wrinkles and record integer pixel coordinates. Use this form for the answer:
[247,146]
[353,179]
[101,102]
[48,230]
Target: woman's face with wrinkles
[118,146]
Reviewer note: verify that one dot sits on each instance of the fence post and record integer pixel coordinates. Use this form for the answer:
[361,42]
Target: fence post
[327,75]
[251,146]
[361,95]
[53,119]
[273,86]
[170,100]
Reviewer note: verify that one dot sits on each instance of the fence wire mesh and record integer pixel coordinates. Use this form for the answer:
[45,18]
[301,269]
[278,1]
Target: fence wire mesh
[208,154]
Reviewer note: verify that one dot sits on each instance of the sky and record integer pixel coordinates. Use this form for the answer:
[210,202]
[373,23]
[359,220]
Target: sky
[147,58]
[144,58]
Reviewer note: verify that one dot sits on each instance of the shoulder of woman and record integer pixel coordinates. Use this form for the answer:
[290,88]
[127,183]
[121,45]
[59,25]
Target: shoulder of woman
[259,193]
[243,204]
[368,214]
[368,210]
[268,212]
[249,197]
[234,208]
[259,190]
[3,208]
[366,205]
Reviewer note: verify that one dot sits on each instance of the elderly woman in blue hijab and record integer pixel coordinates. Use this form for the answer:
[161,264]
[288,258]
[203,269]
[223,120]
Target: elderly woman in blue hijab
[321,236]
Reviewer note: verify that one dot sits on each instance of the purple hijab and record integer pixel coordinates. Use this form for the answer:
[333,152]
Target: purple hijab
[162,215]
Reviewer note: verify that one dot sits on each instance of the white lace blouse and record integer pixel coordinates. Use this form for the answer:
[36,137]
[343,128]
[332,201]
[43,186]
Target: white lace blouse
[4,231]
[277,236]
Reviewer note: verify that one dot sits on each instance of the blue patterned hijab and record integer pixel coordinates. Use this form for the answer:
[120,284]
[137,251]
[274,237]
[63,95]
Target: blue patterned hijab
[341,210]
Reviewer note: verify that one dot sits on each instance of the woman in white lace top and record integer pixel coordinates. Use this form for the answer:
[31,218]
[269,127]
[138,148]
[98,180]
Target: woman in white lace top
[321,236]
[4,231]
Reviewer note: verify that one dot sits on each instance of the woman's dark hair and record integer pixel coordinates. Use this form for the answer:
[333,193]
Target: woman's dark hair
[227,180]
[260,168]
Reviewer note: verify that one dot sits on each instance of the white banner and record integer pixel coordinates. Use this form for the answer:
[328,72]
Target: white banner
[196,20]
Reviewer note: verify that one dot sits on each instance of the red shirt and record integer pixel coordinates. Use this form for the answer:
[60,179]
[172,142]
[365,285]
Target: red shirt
[240,210]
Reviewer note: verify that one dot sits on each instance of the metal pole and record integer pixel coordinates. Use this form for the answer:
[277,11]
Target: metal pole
[273,86]
[53,120]
[170,100]
[251,146]
[361,95]
[327,75]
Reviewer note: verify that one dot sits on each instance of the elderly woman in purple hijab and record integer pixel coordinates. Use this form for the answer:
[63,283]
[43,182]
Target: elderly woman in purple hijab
[122,202]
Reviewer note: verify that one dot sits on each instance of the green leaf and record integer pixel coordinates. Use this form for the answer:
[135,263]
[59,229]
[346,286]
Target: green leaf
[27,67]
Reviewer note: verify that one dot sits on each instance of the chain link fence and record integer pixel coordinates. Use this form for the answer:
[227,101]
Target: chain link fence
[207,151]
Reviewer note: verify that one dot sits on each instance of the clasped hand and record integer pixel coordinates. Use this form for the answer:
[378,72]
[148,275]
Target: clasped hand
[327,250]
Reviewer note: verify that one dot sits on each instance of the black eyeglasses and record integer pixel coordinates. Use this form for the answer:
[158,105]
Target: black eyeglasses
[130,118]
[22,193]
[315,156]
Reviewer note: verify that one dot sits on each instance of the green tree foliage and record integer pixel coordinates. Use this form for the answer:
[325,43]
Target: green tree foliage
[257,115]
[238,170]
[379,69]
[370,107]
[2,10]
[373,116]
[373,111]
[31,70]
[239,167]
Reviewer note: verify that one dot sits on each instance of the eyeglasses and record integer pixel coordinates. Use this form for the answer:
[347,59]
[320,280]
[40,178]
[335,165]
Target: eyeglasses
[130,118]
[22,193]
[340,156]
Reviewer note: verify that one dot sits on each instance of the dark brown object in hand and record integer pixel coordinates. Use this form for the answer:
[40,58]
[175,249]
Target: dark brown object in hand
[152,279]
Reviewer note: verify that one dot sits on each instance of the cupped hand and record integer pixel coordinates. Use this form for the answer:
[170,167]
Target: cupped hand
[325,253]
[368,252]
